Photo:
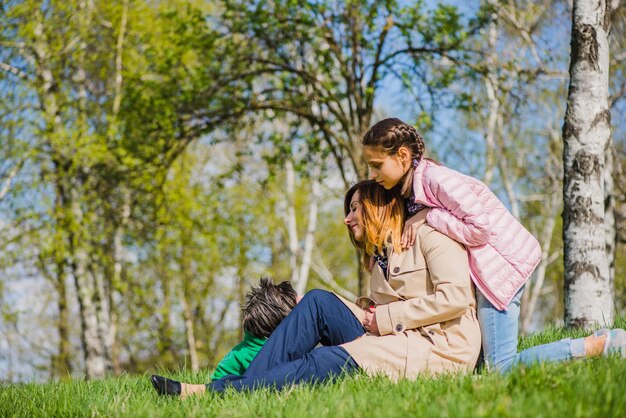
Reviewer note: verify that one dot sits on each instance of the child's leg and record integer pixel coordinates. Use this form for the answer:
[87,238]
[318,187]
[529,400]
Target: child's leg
[320,317]
[499,336]
[321,364]
[499,332]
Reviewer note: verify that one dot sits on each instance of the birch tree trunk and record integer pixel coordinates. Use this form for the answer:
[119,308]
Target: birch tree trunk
[491,86]
[124,215]
[94,350]
[552,204]
[189,331]
[292,226]
[309,238]
[586,133]
[300,256]
[610,229]
[69,215]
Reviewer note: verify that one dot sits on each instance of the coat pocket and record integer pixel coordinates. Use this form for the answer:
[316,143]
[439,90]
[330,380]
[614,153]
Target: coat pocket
[435,334]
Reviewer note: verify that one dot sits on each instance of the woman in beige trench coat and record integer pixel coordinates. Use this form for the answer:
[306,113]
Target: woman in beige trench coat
[424,305]
[419,317]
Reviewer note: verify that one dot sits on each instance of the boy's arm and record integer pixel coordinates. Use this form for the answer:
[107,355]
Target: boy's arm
[223,367]
[238,359]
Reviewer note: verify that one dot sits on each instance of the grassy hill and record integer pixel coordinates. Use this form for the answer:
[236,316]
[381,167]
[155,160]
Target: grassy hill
[591,388]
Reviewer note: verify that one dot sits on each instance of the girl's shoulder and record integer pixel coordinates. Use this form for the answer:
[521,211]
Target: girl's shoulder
[439,173]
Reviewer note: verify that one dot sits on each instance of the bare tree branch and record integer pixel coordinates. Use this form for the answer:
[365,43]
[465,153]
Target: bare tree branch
[13,70]
[7,182]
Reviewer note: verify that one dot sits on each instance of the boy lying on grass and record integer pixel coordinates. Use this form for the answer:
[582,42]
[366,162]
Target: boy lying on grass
[266,306]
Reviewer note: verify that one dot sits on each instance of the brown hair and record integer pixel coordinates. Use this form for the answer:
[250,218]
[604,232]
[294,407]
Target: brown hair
[266,306]
[391,134]
[382,216]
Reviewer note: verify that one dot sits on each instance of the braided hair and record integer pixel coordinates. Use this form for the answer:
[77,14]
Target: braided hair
[391,134]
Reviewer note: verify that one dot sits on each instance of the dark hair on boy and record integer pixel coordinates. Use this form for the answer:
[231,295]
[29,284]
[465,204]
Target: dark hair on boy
[266,306]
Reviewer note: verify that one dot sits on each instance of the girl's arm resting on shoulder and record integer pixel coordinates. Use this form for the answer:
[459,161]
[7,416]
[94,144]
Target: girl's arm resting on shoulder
[461,215]
[459,230]
[448,268]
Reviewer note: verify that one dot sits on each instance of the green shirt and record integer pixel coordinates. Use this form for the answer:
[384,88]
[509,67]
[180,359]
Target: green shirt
[239,358]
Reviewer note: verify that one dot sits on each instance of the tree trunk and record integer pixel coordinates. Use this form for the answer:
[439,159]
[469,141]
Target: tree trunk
[165,346]
[309,238]
[610,229]
[552,205]
[96,361]
[189,330]
[586,133]
[292,227]
[63,366]
[492,87]
[118,248]
[533,290]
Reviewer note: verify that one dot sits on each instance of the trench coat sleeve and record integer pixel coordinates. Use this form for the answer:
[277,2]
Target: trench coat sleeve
[448,269]
[460,212]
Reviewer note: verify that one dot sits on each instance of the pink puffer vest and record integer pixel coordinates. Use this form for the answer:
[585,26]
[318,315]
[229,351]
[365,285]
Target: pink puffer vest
[502,253]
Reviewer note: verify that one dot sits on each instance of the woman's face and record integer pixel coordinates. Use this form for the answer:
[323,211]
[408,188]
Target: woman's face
[353,217]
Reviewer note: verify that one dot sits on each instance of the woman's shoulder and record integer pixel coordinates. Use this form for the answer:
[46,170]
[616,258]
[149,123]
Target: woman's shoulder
[429,238]
[425,232]
[419,218]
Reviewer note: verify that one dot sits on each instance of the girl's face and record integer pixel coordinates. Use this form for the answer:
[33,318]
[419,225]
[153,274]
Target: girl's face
[386,169]
[352,220]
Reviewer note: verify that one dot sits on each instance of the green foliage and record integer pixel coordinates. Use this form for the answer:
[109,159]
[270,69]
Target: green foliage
[325,65]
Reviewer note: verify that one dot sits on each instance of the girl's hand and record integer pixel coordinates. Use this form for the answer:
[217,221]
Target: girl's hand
[369,323]
[410,230]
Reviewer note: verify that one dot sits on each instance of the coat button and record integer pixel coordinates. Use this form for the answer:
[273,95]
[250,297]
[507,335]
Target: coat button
[396,270]
[431,332]
[399,328]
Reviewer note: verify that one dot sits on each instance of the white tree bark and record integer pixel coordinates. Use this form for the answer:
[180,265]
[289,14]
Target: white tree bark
[189,332]
[309,238]
[552,204]
[491,86]
[118,246]
[586,133]
[300,255]
[610,228]
[96,363]
[292,227]
[534,290]
[9,179]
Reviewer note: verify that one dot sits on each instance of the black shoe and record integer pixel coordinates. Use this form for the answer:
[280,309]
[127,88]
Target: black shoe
[165,386]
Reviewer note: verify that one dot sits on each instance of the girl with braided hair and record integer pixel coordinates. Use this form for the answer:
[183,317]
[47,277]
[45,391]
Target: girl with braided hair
[502,253]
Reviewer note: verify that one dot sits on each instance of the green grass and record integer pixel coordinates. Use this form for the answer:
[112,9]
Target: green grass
[591,388]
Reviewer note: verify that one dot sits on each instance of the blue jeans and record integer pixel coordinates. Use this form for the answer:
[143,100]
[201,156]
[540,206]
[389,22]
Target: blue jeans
[499,334]
[289,355]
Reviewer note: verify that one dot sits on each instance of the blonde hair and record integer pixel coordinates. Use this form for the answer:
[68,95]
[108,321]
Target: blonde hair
[382,216]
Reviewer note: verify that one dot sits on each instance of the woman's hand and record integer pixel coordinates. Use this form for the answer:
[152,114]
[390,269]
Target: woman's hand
[369,323]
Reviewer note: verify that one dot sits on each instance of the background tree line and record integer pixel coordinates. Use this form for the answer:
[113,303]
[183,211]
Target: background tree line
[158,157]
